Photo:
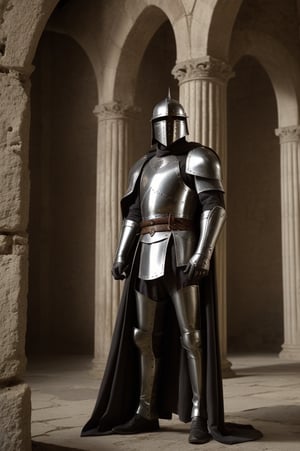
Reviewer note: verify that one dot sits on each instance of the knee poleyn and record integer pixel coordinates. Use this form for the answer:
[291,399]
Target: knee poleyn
[191,341]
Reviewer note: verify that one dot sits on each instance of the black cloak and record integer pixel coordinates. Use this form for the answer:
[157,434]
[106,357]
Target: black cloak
[119,392]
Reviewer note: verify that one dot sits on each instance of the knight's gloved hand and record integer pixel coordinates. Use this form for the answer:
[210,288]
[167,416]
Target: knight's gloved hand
[197,267]
[119,270]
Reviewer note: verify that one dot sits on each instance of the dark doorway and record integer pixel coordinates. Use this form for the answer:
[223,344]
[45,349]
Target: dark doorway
[255,306]
[63,147]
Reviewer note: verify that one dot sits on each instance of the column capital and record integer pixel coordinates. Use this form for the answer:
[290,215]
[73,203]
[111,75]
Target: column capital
[115,110]
[288,134]
[205,67]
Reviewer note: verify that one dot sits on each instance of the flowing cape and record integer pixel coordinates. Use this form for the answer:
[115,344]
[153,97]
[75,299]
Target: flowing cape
[119,392]
[118,396]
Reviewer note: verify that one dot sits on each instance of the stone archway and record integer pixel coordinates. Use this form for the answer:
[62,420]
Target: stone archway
[212,27]
[280,66]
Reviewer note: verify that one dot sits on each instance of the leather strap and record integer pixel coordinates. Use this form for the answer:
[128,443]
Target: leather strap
[164,224]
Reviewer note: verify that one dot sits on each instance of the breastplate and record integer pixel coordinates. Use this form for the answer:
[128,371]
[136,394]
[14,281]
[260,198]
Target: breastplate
[163,192]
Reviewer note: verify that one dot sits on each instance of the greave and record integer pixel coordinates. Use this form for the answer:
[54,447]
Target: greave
[191,341]
[187,305]
[148,338]
[149,371]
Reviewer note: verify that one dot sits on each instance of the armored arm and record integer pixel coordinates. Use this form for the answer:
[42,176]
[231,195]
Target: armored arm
[130,205]
[127,239]
[204,164]
[211,222]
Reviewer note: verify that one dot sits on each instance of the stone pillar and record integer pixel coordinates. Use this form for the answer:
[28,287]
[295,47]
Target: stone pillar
[114,141]
[203,89]
[15,409]
[290,230]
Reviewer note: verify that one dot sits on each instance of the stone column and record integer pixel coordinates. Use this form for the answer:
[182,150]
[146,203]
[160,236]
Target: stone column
[203,89]
[290,230]
[114,141]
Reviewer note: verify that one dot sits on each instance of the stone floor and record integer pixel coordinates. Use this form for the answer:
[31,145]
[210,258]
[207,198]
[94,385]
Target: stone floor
[265,393]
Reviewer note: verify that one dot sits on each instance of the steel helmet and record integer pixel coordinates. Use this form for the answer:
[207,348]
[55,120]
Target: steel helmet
[169,121]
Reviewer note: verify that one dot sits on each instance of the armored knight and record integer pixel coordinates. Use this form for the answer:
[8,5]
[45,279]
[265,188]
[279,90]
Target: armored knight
[178,213]
[164,356]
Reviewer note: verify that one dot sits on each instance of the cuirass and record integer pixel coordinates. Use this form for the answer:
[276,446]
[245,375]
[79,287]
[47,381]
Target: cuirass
[163,192]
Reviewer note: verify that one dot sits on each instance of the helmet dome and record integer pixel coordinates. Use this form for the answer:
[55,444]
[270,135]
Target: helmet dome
[168,121]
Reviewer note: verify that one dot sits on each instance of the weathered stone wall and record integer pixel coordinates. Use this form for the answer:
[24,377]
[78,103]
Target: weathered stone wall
[14,396]
[19,33]
[15,418]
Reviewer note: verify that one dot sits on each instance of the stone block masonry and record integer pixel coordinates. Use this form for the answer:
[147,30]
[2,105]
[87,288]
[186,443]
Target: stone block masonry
[15,406]
[15,418]
[14,127]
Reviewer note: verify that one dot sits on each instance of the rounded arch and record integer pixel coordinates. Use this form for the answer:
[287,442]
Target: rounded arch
[30,21]
[133,49]
[112,29]
[145,23]
[211,27]
[281,67]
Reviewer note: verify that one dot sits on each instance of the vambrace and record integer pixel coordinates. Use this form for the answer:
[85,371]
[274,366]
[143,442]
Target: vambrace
[191,342]
[211,222]
[127,238]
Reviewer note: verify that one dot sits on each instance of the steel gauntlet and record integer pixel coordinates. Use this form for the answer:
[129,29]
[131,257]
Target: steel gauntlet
[211,222]
[127,239]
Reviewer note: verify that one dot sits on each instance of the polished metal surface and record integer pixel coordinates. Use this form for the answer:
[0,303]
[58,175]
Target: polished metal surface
[134,175]
[144,337]
[168,122]
[204,162]
[203,184]
[168,130]
[187,305]
[148,371]
[146,311]
[152,259]
[191,341]
[127,239]
[211,223]
[163,192]
[168,107]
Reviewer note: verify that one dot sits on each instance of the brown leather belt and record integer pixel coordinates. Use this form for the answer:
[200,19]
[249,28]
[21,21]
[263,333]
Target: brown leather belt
[164,224]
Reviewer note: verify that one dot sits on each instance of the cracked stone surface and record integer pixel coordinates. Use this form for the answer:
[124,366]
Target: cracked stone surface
[265,393]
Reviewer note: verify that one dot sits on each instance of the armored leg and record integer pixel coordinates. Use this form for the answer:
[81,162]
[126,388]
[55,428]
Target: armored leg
[187,305]
[147,338]
[186,302]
